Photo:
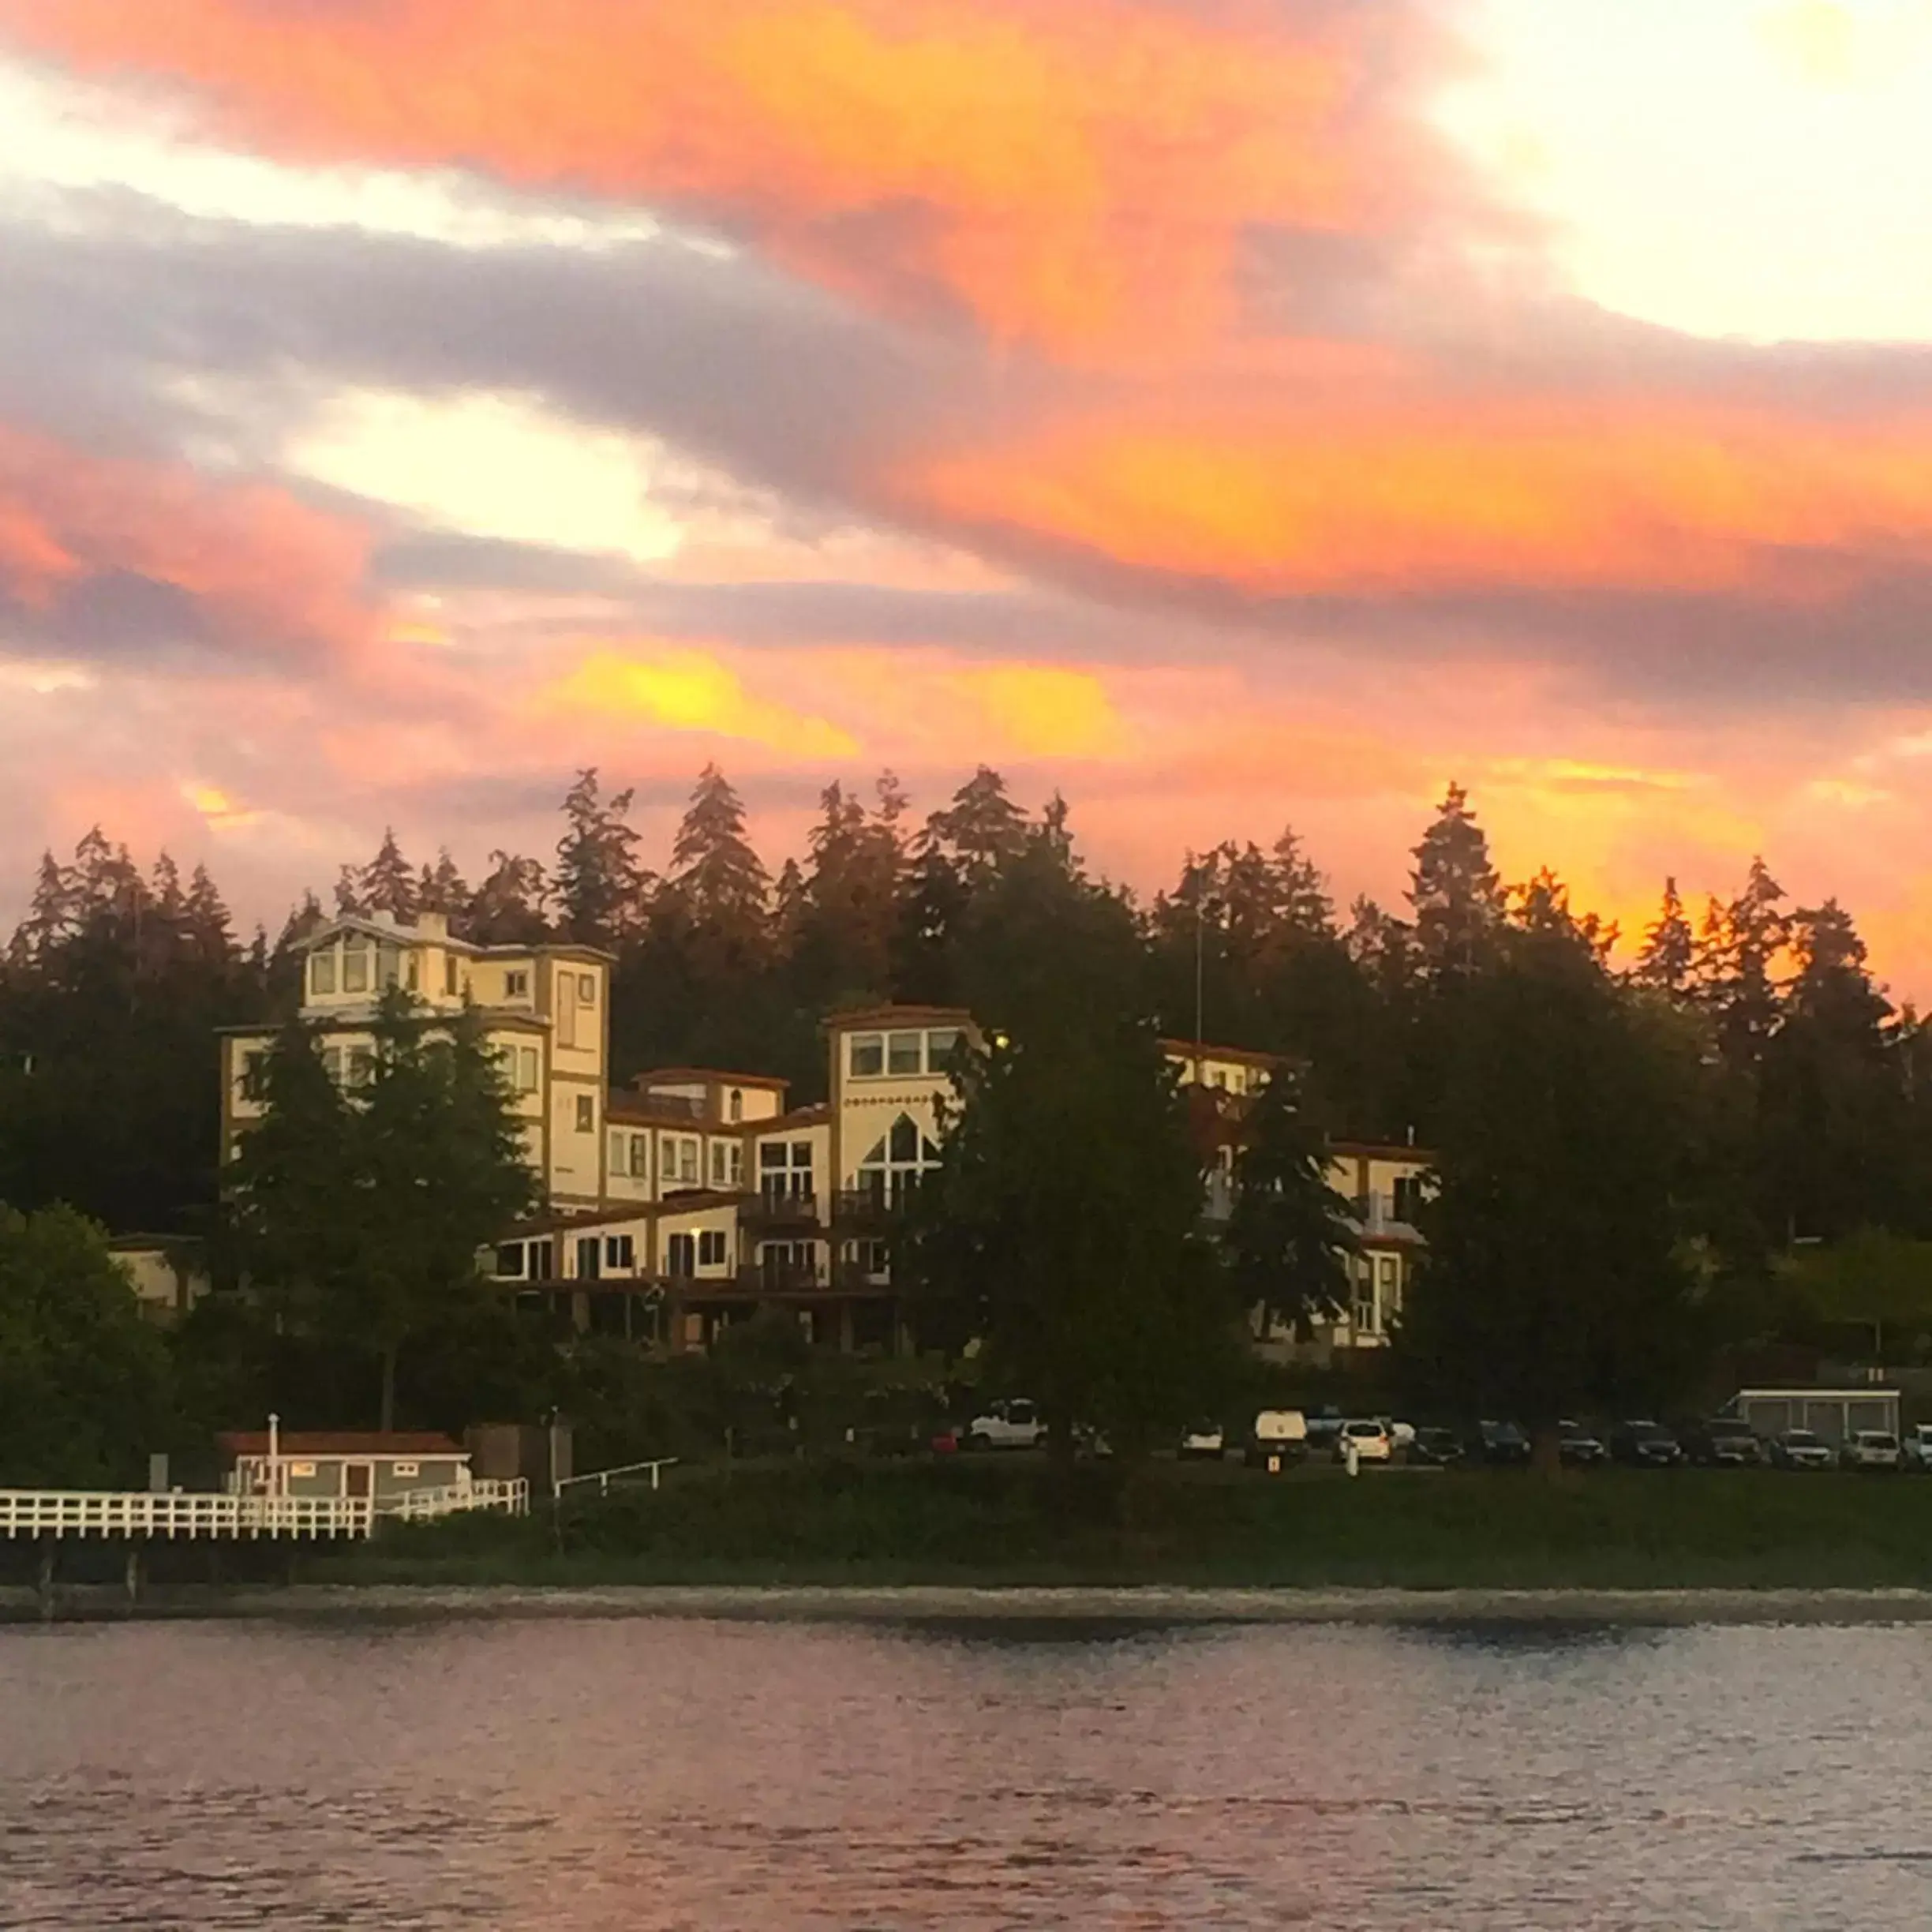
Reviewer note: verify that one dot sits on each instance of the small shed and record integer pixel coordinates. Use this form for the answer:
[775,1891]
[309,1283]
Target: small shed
[1836,1414]
[342,1463]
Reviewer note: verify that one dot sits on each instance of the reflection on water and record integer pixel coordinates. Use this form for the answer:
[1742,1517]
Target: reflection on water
[582,1775]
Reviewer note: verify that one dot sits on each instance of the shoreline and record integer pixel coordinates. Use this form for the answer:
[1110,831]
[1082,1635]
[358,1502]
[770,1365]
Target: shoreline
[1140,1606]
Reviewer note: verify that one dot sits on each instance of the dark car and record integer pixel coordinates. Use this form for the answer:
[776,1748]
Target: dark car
[1644,1444]
[1580,1448]
[1500,1444]
[1724,1443]
[1325,1429]
[1435,1448]
[1801,1449]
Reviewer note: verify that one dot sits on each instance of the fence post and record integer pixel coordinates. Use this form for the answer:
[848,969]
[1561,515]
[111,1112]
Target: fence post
[44,1582]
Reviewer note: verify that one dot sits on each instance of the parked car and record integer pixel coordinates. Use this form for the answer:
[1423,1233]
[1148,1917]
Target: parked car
[1401,1435]
[1435,1448]
[1870,1449]
[1015,1425]
[1279,1435]
[1724,1442]
[1801,1449]
[1371,1441]
[1500,1444]
[1204,1440]
[1645,1444]
[1915,1451]
[1580,1448]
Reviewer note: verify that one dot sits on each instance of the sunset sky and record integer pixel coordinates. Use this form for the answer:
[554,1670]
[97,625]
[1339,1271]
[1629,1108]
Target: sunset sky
[1230,412]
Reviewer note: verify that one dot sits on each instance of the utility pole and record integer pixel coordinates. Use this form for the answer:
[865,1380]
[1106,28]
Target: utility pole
[1200,1032]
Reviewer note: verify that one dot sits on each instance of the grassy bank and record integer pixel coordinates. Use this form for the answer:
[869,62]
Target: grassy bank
[983,1521]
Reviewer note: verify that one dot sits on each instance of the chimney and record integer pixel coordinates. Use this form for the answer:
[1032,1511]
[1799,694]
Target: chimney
[432,925]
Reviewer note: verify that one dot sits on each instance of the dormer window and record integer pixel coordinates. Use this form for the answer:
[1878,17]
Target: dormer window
[322,970]
[355,974]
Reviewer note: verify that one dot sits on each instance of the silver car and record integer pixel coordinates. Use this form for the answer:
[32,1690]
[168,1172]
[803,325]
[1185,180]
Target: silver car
[1870,1449]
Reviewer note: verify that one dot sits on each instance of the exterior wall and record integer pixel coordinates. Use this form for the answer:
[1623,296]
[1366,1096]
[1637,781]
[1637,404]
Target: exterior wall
[315,1475]
[164,1291]
[1213,1067]
[719,1217]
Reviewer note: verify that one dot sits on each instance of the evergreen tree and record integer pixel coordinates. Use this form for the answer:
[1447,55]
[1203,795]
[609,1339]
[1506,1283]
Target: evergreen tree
[1543,906]
[1667,963]
[1290,1233]
[388,884]
[1458,898]
[509,907]
[1742,981]
[206,926]
[441,889]
[1551,1285]
[720,886]
[601,887]
[847,905]
[981,831]
[349,901]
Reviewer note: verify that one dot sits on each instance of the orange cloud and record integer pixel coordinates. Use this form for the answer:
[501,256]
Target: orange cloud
[1074,171]
[1633,495]
[261,566]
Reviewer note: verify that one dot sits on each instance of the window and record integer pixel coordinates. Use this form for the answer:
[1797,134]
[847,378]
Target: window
[720,1164]
[640,1157]
[735,1166]
[331,1059]
[542,1260]
[905,1053]
[681,1256]
[301,1469]
[891,1170]
[449,975]
[940,1048]
[589,1258]
[711,1248]
[412,968]
[566,984]
[1408,1196]
[619,1252]
[254,1070]
[516,985]
[322,970]
[736,1108]
[586,989]
[586,1113]
[388,967]
[527,1069]
[687,1160]
[801,1154]
[405,1468]
[510,1261]
[772,1154]
[868,1055]
[355,974]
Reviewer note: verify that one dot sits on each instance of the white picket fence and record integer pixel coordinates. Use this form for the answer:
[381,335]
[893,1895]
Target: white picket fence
[137,1514]
[510,1497]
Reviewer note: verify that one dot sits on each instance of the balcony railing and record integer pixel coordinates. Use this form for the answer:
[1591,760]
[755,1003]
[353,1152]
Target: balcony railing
[871,1207]
[781,1277]
[768,1211]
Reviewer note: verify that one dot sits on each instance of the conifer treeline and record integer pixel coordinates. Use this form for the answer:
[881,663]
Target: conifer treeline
[1811,1095]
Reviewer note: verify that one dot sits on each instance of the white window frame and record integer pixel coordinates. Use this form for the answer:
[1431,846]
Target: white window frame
[876,1042]
[321,966]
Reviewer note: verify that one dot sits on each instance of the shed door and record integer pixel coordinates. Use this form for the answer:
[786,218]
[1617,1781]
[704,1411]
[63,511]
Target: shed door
[359,1480]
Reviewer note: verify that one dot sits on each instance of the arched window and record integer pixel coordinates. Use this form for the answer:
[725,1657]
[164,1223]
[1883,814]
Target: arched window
[892,1169]
[737,1105]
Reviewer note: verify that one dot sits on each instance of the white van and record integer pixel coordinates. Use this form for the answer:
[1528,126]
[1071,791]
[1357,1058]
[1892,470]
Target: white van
[1280,1439]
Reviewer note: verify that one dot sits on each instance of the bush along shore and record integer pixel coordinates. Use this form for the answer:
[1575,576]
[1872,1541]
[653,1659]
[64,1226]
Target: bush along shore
[985,1521]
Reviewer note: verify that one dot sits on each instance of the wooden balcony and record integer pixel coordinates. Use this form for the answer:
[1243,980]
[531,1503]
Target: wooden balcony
[765,1214]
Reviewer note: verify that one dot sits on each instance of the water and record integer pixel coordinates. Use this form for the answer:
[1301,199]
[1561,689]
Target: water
[578,1776]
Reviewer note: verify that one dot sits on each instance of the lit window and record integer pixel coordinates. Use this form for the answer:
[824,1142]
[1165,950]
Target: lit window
[355,976]
[586,989]
[586,1113]
[516,985]
[301,1469]
[322,970]
[868,1055]
[905,1052]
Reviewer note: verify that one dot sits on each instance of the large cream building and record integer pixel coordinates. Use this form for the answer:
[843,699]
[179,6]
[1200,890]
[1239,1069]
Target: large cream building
[693,1197]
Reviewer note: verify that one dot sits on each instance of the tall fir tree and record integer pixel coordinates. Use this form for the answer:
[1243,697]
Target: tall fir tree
[1458,898]
[1668,961]
[721,887]
[388,884]
[600,886]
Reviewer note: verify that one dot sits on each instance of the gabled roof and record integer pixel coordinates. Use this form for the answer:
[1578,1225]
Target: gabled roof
[894,1016]
[664,1077]
[341,1442]
[1231,1056]
[392,933]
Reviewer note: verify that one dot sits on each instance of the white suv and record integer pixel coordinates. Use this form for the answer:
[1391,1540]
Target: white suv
[1870,1449]
[1007,1425]
[1916,1452]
